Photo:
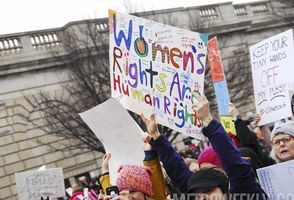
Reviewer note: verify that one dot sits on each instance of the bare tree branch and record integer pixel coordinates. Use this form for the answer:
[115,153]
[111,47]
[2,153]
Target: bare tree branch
[86,59]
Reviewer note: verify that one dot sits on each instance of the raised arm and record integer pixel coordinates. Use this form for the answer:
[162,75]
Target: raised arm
[157,179]
[104,178]
[243,133]
[173,164]
[241,176]
[265,131]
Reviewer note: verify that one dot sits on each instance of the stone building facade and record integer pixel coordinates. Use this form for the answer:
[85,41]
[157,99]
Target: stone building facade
[26,67]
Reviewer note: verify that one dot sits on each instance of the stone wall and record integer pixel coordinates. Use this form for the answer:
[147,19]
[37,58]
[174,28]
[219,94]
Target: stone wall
[25,147]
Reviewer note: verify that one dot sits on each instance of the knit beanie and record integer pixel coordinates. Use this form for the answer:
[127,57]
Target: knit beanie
[134,177]
[208,178]
[287,128]
[208,155]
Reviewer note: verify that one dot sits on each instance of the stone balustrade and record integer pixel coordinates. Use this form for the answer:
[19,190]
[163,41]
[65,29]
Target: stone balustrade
[208,13]
[10,45]
[259,8]
[22,47]
[49,39]
[38,40]
[240,10]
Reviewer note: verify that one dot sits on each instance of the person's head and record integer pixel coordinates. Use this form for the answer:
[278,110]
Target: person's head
[282,138]
[209,159]
[208,184]
[76,188]
[134,182]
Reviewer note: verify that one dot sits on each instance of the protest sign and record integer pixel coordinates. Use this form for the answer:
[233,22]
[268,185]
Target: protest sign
[69,191]
[120,134]
[291,94]
[272,72]
[156,68]
[215,63]
[277,180]
[41,183]
[222,97]
[220,86]
[218,78]
[228,124]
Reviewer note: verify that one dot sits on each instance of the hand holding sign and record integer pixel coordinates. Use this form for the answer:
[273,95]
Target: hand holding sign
[233,110]
[202,110]
[151,126]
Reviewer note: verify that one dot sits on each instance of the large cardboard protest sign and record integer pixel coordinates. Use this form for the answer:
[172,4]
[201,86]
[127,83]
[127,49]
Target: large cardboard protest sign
[41,183]
[120,134]
[156,68]
[277,180]
[272,71]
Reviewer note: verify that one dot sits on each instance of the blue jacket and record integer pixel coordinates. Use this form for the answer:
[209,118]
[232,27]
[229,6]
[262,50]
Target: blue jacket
[241,176]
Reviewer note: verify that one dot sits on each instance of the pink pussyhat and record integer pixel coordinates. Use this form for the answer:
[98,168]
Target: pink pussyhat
[134,177]
[208,155]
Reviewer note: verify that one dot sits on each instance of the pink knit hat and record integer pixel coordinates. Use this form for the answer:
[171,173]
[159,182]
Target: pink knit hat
[134,177]
[208,155]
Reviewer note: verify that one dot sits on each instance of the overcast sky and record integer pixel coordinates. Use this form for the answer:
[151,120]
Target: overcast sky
[27,15]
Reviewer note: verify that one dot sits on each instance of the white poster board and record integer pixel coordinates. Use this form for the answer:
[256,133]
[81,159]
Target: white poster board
[119,133]
[156,68]
[41,183]
[277,180]
[272,72]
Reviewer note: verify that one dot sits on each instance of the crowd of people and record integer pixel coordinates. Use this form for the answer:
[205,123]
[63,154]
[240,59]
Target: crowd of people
[224,170]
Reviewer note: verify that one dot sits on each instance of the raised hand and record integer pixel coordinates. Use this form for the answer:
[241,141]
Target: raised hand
[105,161]
[146,139]
[233,110]
[151,126]
[257,118]
[202,110]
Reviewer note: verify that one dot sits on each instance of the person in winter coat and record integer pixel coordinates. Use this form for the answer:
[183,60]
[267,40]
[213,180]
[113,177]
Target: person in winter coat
[239,172]
[248,138]
[282,138]
[133,181]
